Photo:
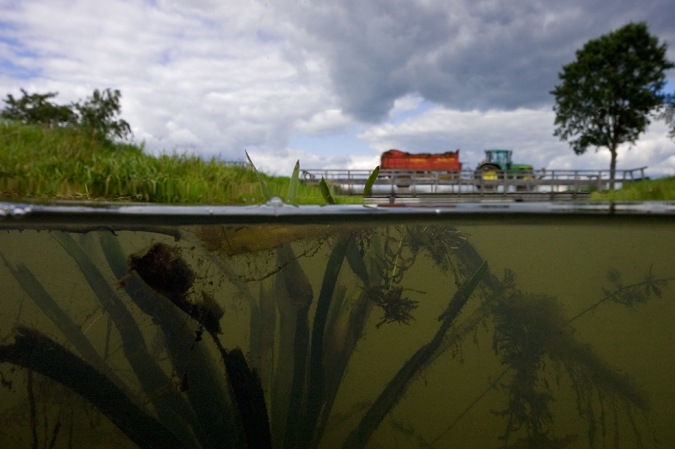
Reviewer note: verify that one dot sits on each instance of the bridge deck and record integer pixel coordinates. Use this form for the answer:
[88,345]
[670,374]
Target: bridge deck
[469,185]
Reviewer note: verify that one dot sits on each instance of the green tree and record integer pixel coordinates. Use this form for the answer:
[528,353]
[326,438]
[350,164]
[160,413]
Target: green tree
[608,93]
[668,114]
[98,115]
[36,109]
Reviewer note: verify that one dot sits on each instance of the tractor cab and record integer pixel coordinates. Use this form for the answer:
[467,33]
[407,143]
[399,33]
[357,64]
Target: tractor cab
[498,165]
[500,161]
[499,158]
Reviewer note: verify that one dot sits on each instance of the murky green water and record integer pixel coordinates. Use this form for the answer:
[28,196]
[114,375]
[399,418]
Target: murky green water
[440,332]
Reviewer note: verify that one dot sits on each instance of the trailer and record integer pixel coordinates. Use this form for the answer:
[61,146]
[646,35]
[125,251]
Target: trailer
[401,160]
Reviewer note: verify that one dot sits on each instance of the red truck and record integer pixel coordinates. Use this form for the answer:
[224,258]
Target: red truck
[401,160]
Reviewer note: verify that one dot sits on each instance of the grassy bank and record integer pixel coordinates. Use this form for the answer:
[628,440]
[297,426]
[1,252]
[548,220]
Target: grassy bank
[62,163]
[648,190]
[41,163]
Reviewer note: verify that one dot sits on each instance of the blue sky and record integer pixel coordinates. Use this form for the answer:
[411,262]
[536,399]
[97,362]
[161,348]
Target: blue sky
[331,83]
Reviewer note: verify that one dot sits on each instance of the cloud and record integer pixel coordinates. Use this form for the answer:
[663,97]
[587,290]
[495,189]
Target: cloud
[407,103]
[463,54]
[213,77]
[528,132]
[282,163]
[191,73]
[330,121]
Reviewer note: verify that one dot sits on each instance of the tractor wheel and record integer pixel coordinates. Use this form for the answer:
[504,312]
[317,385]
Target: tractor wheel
[525,175]
[490,173]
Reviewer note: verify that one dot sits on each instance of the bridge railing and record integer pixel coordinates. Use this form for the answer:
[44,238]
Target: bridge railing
[412,183]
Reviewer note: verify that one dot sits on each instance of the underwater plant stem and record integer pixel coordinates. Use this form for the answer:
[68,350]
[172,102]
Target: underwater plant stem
[399,384]
[598,371]
[249,397]
[316,383]
[65,324]
[300,345]
[37,352]
[337,361]
[469,407]
[356,262]
[207,395]
[301,295]
[588,309]
[395,266]
[32,407]
[610,296]
[282,376]
[149,374]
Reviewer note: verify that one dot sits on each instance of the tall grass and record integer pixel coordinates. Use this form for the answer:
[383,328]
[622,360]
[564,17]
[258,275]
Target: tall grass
[647,190]
[62,163]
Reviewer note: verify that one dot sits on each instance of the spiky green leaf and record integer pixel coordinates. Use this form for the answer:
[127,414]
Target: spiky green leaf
[291,197]
[325,191]
[371,180]
[265,190]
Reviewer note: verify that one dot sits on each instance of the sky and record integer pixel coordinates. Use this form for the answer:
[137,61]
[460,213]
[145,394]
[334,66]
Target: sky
[333,83]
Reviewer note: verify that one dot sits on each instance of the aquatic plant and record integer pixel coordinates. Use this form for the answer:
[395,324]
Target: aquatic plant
[259,325]
[302,341]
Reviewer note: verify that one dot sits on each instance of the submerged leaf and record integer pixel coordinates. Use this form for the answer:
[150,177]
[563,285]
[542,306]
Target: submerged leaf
[614,277]
[656,290]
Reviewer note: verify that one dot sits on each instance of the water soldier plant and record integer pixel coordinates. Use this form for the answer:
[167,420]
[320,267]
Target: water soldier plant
[272,371]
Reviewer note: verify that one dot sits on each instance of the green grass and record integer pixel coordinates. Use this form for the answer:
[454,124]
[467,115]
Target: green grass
[648,190]
[45,164]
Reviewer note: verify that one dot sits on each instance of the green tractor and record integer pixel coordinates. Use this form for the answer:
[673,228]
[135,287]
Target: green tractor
[497,165]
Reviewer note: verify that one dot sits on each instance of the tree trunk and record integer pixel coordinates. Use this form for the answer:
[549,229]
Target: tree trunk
[612,167]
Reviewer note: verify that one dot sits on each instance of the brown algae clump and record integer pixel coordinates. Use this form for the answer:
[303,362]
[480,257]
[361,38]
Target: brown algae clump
[163,269]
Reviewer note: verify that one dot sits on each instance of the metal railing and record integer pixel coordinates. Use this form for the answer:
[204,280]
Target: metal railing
[472,182]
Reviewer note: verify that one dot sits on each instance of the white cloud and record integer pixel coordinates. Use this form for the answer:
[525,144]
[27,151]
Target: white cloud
[529,132]
[331,121]
[281,163]
[407,103]
[205,74]
[214,77]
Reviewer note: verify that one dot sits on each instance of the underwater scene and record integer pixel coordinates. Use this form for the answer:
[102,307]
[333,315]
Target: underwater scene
[451,332]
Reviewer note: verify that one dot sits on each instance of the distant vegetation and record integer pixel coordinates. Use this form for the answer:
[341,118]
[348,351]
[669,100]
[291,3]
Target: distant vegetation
[97,116]
[38,162]
[648,190]
[608,95]
[83,151]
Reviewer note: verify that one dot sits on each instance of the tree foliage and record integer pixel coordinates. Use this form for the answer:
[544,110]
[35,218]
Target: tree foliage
[668,114]
[37,109]
[608,93]
[97,115]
